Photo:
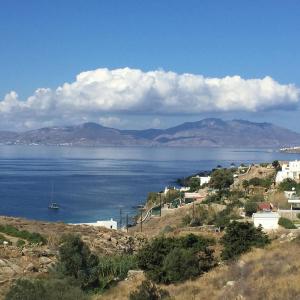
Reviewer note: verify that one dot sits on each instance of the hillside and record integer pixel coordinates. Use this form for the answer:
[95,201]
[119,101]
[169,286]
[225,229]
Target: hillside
[271,273]
[204,133]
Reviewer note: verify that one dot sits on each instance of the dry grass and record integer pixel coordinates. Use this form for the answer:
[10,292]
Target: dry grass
[271,274]
[122,290]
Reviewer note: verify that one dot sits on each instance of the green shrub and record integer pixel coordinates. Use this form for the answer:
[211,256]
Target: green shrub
[32,237]
[288,185]
[51,289]
[149,291]
[286,223]
[20,243]
[298,215]
[77,261]
[250,208]
[264,182]
[240,238]
[155,258]
[221,179]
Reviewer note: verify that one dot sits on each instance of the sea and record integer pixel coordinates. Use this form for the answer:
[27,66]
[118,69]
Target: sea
[93,184]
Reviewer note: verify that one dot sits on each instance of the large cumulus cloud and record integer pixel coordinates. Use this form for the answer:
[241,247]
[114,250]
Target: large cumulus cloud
[128,91]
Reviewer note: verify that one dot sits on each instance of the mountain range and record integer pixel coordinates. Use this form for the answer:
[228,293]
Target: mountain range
[210,132]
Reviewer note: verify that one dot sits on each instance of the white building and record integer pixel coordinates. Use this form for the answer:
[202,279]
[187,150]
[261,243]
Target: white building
[110,224]
[202,179]
[268,220]
[289,170]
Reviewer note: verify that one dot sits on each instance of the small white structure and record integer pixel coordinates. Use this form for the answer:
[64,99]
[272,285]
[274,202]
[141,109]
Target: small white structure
[110,224]
[268,220]
[289,170]
[184,189]
[202,179]
[290,194]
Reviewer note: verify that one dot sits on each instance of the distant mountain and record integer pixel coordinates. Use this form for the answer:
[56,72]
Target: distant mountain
[205,133]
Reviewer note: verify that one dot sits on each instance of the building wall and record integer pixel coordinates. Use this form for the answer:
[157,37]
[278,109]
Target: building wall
[290,170]
[266,223]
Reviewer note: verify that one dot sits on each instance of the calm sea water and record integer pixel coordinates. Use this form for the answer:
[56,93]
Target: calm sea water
[94,183]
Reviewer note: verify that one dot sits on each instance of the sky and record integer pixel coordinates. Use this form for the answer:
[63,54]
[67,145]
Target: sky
[141,64]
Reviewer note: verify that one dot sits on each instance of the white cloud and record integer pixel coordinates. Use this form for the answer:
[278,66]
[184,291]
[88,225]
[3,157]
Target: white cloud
[111,121]
[127,91]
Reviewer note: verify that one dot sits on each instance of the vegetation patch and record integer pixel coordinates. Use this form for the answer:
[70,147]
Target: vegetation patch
[286,223]
[240,237]
[167,260]
[31,237]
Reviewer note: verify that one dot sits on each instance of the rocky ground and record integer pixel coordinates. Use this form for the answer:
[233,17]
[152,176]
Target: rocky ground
[37,260]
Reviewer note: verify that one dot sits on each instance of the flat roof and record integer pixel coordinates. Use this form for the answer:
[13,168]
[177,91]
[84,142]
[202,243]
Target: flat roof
[266,215]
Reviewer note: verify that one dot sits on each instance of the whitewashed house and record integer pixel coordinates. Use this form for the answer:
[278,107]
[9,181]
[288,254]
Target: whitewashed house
[268,220]
[202,179]
[289,170]
[110,224]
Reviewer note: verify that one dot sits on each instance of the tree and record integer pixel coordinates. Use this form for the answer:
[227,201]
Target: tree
[288,184]
[194,184]
[168,260]
[76,260]
[240,238]
[149,291]
[221,179]
[250,208]
[276,165]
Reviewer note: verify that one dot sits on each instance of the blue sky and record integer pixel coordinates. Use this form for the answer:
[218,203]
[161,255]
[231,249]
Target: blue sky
[47,43]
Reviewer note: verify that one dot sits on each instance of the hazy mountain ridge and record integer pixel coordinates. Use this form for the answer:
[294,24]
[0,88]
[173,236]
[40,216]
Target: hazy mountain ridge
[210,132]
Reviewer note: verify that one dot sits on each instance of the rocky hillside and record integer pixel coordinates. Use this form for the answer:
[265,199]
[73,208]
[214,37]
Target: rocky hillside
[270,273]
[204,133]
[36,260]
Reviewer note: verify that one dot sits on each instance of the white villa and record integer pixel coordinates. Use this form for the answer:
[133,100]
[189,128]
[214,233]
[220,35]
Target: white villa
[202,179]
[289,170]
[110,224]
[268,220]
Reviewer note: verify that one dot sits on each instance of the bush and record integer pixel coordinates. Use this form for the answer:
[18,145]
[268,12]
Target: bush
[20,243]
[221,179]
[250,208]
[179,265]
[53,289]
[149,291]
[240,238]
[298,215]
[286,223]
[32,237]
[264,182]
[288,185]
[159,261]
[77,261]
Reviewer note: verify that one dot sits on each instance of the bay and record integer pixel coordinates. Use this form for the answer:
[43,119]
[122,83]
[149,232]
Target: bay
[94,183]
